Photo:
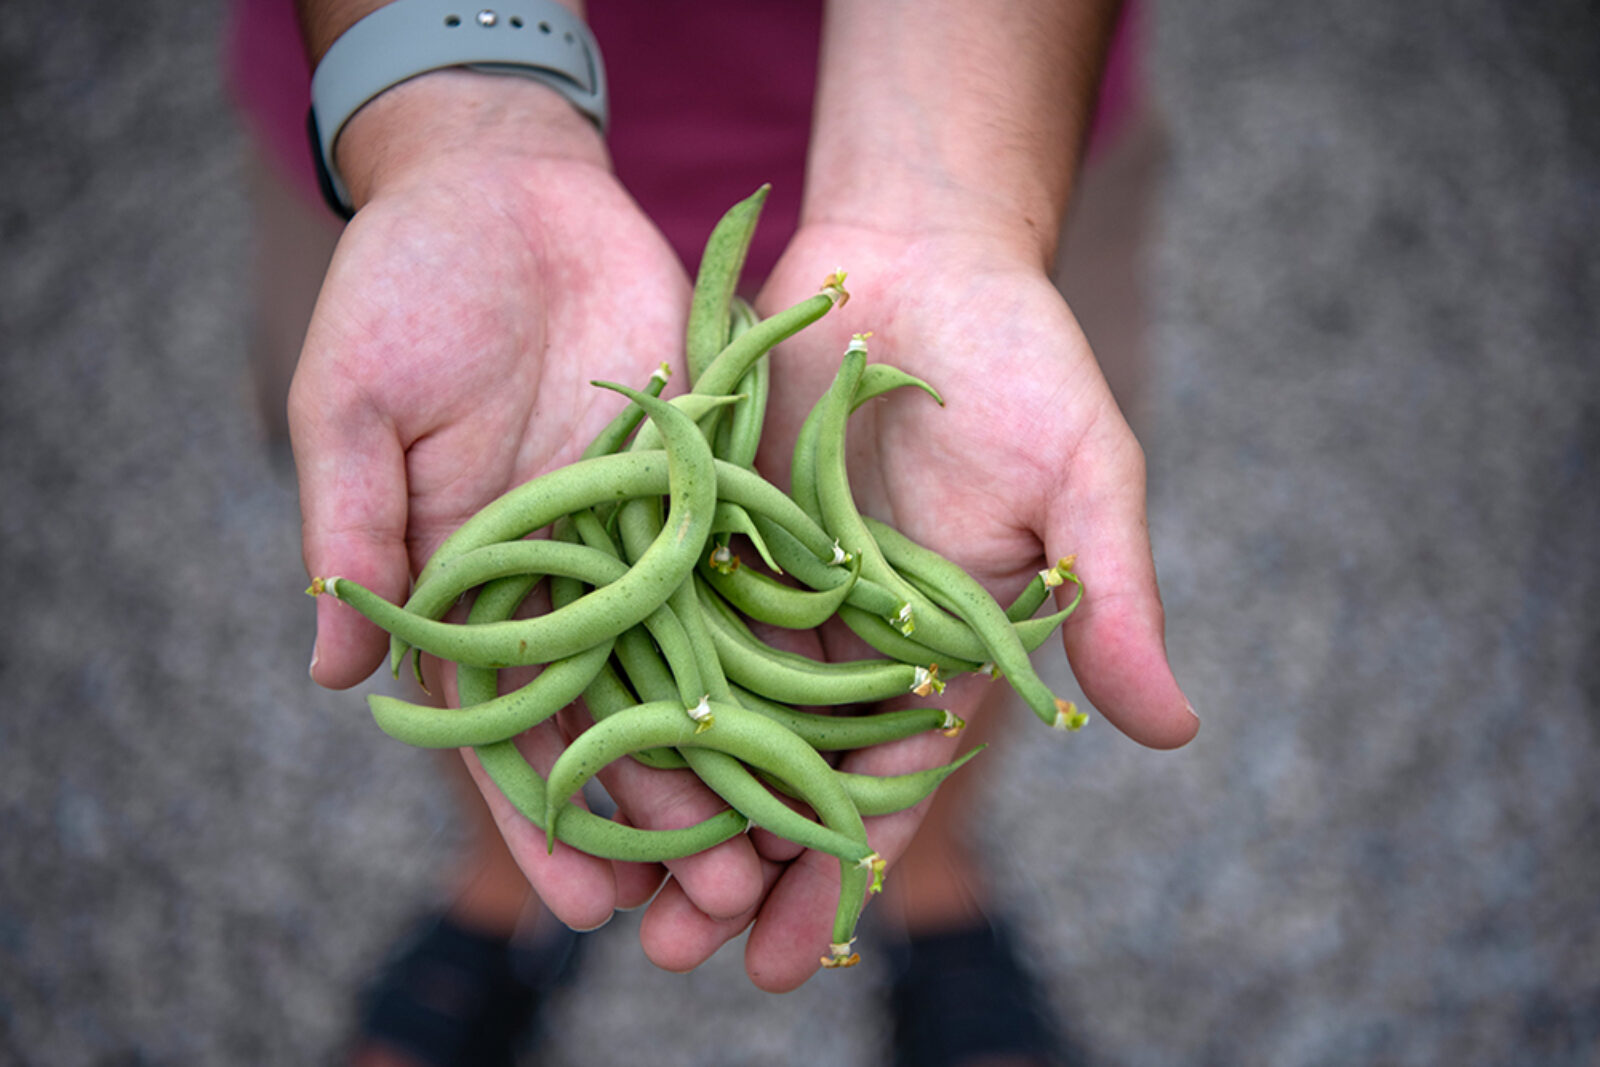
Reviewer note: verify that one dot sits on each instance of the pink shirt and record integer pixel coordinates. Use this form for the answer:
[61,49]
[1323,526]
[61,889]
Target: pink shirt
[683,144]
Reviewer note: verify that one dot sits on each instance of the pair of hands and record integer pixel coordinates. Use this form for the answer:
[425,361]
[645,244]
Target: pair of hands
[461,321]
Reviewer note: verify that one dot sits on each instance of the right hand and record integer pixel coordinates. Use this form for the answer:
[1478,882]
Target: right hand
[494,268]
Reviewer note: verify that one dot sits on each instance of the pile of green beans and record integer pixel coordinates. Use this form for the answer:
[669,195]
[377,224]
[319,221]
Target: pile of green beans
[652,600]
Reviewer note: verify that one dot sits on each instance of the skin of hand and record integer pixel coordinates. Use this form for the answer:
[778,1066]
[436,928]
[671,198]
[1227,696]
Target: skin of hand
[481,286]
[1029,460]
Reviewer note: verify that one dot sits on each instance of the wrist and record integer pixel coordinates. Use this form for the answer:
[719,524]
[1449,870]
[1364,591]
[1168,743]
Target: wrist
[452,120]
[937,116]
[1023,223]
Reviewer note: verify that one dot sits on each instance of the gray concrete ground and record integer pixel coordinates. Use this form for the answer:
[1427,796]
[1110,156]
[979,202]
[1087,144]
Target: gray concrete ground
[1373,426]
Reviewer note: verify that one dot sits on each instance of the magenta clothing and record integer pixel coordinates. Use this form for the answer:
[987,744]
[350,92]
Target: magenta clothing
[708,100]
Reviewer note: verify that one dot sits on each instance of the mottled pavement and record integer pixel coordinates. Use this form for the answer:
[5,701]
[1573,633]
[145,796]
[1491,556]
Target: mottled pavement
[1372,418]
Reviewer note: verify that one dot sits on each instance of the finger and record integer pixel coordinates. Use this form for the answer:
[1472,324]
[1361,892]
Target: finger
[1116,640]
[637,883]
[353,503]
[723,881]
[579,889]
[793,930]
[677,936]
[769,846]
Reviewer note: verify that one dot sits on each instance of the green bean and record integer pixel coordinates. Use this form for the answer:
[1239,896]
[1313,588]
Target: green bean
[803,464]
[738,437]
[721,263]
[605,612]
[797,679]
[527,560]
[590,833]
[763,500]
[597,480]
[649,675]
[540,501]
[615,433]
[1035,592]
[747,737]
[610,479]
[730,731]
[730,365]
[839,733]
[888,641]
[506,716]
[817,574]
[880,378]
[722,772]
[732,518]
[772,602]
[609,440]
[884,795]
[720,768]
[876,379]
[433,597]
[1033,632]
[932,626]
[607,693]
[987,618]
[639,527]
[524,788]
[741,316]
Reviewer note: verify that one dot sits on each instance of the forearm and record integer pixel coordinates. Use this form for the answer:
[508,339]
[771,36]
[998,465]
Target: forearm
[954,115]
[447,119]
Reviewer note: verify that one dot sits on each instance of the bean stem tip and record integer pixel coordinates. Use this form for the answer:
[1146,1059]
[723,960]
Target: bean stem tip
[876,864]
[925,681]
[833,288]
[840,955]
[1068,717]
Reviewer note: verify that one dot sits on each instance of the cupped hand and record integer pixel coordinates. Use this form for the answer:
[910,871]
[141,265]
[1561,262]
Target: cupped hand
[1028,461]
[470,303]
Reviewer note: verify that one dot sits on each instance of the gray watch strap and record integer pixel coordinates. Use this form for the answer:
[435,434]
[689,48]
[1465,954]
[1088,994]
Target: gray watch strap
[537,39]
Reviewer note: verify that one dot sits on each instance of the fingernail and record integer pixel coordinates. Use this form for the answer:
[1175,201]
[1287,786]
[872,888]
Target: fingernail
[312,670]
[1191,710]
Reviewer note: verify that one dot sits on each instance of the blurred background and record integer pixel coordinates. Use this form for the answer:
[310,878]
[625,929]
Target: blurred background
[1371,408]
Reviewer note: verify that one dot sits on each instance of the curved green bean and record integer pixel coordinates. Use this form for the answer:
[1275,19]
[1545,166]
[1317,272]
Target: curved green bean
[796,679]
[588,832]
[886,794]
[886,640]
[503,717]
[931,625]
[769,601]
[603,613]
[839,733]
[982,612]
[875,380]
[747,737]
[524,788]
[721,263]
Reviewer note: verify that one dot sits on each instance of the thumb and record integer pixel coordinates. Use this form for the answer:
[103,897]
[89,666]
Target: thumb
[353,507]
[1116,640]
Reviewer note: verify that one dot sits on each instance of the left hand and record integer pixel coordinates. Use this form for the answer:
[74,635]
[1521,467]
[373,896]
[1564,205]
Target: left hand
[1029,460]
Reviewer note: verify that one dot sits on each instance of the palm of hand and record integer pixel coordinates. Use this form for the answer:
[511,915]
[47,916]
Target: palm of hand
[472,333]
[987,481]
[1026,407]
